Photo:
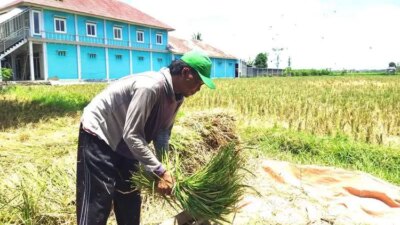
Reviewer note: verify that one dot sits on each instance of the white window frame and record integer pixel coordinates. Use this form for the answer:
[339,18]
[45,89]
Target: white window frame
[39,21]
[159,35]
[55,25]
[95,29]
[137,36]
[119,29]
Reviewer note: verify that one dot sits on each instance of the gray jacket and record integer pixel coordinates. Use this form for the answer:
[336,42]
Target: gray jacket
[134,111]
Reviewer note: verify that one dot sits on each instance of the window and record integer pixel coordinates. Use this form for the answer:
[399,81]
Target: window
[159,39]
[59,25]
[91,29]
[119,57]
[117,33]
[159,59]
[92,55]
[36,22]
[140,36]
[61,52]
[141,58]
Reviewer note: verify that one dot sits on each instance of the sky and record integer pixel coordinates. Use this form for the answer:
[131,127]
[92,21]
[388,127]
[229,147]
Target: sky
[336,34]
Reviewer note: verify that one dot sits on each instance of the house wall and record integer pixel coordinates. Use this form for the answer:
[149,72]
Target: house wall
[221,68]
[161,60]
[146,42]
[163,45]
[124,56]
[93,59]
[93,63]
[110,33]
[60,65]
[118,63]
[100,35]
[230,68]
[49,25]
[141,61]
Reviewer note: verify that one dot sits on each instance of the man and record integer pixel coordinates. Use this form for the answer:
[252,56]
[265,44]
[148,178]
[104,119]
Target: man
[116,128]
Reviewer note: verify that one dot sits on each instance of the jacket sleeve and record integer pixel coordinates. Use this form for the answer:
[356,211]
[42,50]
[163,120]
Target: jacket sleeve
[139,109]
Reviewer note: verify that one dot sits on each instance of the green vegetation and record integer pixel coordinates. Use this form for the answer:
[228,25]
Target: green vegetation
[351,122]
[261,60]
[336,151]
[6,74]
[366,109]
[211,192]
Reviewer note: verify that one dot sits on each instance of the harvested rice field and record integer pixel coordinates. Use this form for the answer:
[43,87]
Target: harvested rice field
[344,122]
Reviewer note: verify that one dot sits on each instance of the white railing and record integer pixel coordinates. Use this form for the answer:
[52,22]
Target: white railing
[13,39]
[97,40]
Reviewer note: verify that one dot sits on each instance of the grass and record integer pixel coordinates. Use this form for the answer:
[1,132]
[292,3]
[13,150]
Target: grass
[339,151]
[350,122]
[364,108]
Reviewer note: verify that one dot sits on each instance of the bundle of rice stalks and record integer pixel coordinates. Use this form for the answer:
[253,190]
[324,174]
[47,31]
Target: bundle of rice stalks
[198,135]
[209,194]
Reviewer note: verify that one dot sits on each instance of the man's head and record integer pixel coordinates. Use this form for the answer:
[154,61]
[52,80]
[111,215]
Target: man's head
[190,72]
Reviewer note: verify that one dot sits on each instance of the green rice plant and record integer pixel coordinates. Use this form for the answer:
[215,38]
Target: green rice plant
[211,193]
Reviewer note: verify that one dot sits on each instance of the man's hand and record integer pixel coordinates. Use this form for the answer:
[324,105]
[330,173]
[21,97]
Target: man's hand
[165,183]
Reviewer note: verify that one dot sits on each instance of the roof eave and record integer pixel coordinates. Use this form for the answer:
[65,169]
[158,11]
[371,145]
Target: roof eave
[10,6]
[81,13]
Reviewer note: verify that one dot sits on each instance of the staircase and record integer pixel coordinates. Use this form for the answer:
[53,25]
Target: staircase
[13,48]
[14,33]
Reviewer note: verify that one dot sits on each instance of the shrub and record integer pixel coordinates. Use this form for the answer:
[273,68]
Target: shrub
[6,74]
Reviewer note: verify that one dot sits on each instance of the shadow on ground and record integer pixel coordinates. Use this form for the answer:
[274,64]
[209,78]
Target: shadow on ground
[14,113]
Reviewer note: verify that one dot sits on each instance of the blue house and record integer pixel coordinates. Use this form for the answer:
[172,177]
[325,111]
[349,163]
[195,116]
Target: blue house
[90,40]
[223,64]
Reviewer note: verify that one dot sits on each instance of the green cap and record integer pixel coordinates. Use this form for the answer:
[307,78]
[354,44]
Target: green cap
[200,62]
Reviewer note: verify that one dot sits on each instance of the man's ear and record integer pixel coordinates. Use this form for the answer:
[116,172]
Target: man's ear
[186,73]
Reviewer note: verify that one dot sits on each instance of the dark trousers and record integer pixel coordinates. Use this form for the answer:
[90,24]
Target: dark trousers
[103,183]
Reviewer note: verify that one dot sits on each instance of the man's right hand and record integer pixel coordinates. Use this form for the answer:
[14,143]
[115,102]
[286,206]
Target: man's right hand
[166,183]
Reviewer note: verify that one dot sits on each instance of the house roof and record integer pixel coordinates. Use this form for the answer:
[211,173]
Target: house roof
[181,46]
[111,9]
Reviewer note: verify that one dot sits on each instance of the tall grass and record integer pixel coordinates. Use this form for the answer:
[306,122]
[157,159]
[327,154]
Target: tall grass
[20,105]
[339,151]
[364,108]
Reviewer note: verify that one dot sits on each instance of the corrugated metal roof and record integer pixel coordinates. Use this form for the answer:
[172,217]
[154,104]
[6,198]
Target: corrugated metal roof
[112,9]
[181,46]
[10,14]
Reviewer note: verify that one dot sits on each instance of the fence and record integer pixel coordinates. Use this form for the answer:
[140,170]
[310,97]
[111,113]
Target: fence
[260,72]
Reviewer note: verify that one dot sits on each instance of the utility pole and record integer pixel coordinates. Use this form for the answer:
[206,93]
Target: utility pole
[277,53]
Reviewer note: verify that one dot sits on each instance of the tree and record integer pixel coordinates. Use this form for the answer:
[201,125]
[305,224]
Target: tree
[392,68]
[197,36]
[261,60]
[392,64]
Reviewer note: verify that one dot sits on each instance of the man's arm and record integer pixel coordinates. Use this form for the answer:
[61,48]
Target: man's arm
[138,112]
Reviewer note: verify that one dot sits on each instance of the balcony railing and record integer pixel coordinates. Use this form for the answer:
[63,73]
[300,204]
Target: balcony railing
[99,41]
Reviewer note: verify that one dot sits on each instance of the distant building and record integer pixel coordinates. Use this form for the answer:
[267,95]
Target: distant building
[90,40]
[224,65]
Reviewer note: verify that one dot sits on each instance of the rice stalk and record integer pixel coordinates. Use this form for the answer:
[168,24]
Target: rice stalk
[211,193]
